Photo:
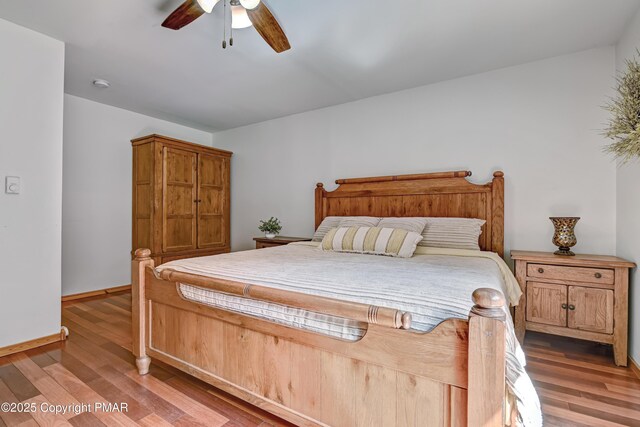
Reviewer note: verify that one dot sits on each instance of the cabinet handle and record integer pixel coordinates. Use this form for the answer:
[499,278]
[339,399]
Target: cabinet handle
[572,307]
[541,270]
[197,201]
[598,275]
[564,306]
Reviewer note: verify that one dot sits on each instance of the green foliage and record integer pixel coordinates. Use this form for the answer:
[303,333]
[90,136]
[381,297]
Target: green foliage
[624,126]
[272,225]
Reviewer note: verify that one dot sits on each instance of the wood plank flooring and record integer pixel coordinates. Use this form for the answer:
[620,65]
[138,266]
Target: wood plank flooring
[96,365]
[577,381]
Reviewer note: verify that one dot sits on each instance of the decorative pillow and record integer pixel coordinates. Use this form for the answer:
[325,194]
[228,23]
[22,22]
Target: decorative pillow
[415,224]
[343,221]
[456,233]
[359,221]
[327,224]
[394,242]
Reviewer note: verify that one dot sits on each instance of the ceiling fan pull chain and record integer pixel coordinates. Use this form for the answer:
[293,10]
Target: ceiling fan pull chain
[224,25]
[230,25]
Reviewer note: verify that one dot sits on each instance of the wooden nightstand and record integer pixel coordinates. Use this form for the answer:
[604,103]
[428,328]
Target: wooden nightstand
[582,296]
[263,242]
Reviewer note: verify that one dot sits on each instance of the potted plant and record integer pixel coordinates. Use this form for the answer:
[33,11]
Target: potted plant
[624,124]
[270,228]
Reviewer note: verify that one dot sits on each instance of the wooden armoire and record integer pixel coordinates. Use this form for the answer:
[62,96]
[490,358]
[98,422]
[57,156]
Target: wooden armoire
[181,200]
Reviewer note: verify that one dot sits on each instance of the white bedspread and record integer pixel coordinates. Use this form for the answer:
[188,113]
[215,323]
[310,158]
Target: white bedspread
[433,285]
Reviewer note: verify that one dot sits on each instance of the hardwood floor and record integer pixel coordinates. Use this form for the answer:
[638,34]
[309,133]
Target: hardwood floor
[577,380]
[95,365]
[578,383]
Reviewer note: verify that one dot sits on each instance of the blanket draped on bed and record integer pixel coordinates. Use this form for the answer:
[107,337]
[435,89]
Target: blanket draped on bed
[433,285]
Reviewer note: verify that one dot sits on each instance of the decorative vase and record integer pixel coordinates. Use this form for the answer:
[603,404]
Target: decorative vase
[564,237]
[270,235]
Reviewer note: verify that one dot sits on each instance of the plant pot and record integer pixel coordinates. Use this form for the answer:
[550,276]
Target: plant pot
[269,235]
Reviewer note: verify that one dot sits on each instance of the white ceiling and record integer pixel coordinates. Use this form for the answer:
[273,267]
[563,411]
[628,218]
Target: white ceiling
[342,50]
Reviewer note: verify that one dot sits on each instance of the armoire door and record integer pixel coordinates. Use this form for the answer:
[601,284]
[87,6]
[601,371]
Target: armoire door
[179,200]
[213,188]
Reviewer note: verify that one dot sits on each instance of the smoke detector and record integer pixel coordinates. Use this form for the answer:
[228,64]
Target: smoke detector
[101,83]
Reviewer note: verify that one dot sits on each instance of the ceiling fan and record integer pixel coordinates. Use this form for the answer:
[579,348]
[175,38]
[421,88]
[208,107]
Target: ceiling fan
[244,13]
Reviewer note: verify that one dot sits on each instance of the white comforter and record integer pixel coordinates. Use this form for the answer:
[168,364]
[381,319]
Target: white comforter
[433,285]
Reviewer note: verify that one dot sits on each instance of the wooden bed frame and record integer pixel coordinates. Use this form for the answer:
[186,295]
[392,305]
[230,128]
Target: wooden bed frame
[453,375]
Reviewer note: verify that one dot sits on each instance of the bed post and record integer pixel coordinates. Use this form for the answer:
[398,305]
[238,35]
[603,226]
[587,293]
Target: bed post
[497,214]
[138,308]
[486,381]
[319,195]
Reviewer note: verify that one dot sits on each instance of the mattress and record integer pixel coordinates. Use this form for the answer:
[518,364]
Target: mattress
[433,285]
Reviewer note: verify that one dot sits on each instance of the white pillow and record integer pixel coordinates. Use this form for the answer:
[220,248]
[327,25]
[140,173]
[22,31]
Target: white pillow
[415,224]
[343,221]
[359,221]
[455,233]
[327,224]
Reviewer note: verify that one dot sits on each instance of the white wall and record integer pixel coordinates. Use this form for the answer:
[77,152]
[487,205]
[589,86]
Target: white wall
[96,232]
[31,107]
[628,201]
[537,122]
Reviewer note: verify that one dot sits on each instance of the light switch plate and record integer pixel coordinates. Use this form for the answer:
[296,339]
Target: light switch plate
[12,185]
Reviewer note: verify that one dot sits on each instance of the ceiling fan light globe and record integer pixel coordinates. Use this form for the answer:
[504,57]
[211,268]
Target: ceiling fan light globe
[239,18]
[207,5]
[249,4]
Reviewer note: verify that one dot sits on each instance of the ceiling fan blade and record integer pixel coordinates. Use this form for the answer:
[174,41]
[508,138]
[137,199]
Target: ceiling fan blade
[185,14]
[267,26]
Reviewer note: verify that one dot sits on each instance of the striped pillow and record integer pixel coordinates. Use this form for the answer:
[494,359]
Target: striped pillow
[393,242]
[327,224]
[415,224]
[456,233]
[343,221]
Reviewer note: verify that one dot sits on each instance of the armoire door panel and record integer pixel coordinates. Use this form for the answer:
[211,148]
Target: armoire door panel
[142,220]
[212,179]
[179,199]
[142,198]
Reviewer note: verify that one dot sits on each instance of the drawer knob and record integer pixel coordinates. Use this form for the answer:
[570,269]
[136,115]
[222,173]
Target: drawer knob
[598,275]
[564,306]
[572,307]
[541,270]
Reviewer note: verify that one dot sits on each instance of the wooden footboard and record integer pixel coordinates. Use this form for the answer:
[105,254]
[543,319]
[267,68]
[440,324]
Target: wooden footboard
[451,376]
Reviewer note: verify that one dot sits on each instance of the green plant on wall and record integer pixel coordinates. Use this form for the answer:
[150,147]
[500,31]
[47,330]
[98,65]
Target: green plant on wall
[624,125]
[271,226]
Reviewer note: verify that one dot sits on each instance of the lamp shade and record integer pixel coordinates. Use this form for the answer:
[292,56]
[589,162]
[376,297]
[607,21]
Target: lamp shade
[239,17]
[207,5]
[249,4]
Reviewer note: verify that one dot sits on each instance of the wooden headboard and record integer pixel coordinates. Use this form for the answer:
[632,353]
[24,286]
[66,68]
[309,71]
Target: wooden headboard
[442,194]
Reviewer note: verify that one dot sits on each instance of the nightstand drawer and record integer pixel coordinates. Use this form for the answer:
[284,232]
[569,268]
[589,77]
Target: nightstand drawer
[574,274]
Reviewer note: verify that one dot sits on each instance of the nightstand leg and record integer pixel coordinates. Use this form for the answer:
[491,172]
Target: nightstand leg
[520,309]
[620,317]
[620,353]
